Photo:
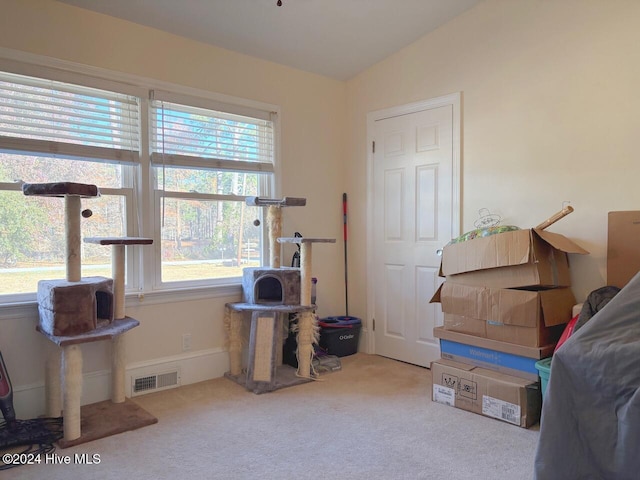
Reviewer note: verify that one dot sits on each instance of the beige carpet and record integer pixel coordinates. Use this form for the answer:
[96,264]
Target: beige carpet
[372,420]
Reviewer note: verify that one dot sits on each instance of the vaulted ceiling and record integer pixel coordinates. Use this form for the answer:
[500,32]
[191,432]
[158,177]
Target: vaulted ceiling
[334,38]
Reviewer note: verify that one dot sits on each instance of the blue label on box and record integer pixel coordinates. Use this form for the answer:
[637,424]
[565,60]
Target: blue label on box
[492,359]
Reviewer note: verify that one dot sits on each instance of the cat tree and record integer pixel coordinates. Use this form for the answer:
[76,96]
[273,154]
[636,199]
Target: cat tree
[269,294]
[76,311]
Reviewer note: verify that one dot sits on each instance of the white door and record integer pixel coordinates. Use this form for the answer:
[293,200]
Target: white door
[415,212]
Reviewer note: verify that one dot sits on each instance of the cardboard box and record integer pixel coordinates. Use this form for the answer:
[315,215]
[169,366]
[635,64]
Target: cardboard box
[525,317]
[518,335]
[623,247]
[467,325]
[511,399]
[507,363]
[535,353]
[521,258]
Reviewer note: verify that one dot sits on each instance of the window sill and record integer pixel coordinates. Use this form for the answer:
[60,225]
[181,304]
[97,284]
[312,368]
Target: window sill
[182,294]
[30,308]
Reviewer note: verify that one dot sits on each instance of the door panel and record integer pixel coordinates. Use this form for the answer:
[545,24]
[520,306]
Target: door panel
[412,206]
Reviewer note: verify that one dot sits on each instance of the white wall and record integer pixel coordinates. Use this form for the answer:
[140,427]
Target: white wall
[313,119]
[550,114]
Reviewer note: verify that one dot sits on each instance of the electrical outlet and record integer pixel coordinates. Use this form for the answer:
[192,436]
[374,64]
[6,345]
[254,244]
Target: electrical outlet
[186,342]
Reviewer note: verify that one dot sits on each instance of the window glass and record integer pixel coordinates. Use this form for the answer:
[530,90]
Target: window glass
[208,239]
[208,181]
[203,159]
[32,238]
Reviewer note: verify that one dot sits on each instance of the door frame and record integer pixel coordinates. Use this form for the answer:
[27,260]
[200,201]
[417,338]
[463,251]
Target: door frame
[454,100]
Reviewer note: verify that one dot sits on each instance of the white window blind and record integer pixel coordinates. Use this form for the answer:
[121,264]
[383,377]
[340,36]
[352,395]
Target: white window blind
[48,117]
[193,137]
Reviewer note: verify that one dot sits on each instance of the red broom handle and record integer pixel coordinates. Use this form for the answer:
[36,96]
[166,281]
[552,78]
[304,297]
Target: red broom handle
[346,283]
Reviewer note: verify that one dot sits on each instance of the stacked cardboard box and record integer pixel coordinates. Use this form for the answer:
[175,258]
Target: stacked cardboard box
[505,300]
[512,287]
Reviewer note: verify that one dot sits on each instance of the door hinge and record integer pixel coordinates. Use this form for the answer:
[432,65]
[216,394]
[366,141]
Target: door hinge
[373,146]
[374,324]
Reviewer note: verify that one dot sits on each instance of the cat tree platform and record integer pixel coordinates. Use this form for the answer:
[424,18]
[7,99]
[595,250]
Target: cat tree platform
[264,372]
[64,375]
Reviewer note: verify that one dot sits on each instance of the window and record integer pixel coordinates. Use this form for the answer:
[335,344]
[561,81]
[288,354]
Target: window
[184,183]
[52,131]
[206,163]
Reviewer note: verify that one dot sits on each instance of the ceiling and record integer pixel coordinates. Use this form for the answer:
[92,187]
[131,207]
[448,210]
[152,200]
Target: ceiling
[334,38]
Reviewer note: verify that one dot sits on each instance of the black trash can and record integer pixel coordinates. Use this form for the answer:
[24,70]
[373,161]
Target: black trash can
[339,335]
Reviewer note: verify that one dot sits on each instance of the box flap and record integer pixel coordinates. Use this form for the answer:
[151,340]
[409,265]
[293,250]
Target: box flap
[560,242]
[512,307]
[436,296]
[463,300]
[450,363]
[500,250]
[557,305]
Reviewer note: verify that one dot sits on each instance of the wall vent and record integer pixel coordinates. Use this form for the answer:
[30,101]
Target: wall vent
[155,382]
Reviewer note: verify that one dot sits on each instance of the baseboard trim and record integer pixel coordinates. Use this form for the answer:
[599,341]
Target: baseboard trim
[29,400]
[194,367]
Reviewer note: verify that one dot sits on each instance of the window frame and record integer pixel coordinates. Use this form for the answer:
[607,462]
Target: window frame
[185,104]
[143,266]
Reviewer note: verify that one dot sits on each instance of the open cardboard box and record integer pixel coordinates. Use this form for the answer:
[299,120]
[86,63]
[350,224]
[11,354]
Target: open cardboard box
[520,258]
[525,317]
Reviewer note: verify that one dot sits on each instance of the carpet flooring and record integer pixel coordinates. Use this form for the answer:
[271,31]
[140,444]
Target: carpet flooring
[371,420]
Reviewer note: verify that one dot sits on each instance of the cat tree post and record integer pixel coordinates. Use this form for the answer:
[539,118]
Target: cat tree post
[53,385]
[274,224]
[72,364]
[274,221]
[233,329]
[118,274]
[307,328]
[72,208]
[307,324]
[117,369]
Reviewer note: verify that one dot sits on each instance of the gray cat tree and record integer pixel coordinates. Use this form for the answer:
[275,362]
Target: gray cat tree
[270,293]
[77,311]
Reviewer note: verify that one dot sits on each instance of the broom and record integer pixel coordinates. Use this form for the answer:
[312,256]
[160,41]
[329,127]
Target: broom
[346,283]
